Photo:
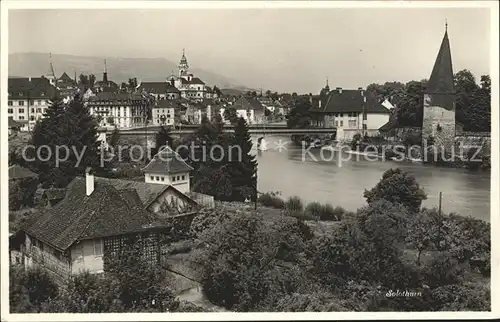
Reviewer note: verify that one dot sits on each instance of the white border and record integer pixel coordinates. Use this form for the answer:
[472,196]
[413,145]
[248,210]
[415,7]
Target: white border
[10,4]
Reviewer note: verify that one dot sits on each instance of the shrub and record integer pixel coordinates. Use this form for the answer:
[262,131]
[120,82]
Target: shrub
[271,199]
[443,269]
[29,289]
[294,204]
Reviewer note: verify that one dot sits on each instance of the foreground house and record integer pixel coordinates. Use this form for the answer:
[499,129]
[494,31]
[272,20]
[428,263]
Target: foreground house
[250,109]
[94,219]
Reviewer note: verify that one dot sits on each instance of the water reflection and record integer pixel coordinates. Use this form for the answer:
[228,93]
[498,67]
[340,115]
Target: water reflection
[342,183]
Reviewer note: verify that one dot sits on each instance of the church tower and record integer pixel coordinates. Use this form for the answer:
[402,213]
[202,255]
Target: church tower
[438,124]
[183,65]
[51,75]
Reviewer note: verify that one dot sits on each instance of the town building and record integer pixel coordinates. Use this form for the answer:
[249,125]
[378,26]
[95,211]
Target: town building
[123,110]
[168,168]
[160,90]
[351,112]
[190,87]
[163,112]
[249,108]
[28,99]
[105,85]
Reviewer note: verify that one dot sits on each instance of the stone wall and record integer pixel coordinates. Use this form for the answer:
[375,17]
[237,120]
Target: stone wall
[438,123]
[469,140]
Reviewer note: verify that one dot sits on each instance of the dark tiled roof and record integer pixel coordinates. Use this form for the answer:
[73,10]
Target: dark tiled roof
[352,101]
[55,193]
[147,193]
[106,212]
[37,87]
[167,161]
[196,80]
[441,80]
[65,78]
[18,172]
[248,103]
[158,87]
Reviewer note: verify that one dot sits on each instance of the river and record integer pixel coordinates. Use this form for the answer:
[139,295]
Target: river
[294,173]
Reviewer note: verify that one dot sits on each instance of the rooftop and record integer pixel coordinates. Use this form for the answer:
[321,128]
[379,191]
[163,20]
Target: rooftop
[18,172]
[106,212]
[348,100]
[167,161]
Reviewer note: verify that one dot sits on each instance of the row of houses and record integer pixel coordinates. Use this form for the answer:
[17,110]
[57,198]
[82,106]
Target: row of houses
[94,217]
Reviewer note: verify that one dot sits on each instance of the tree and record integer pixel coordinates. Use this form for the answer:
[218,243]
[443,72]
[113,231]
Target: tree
[410,108]
[397,186]
[424,231]
[242,166]
[299,116]
[29,289]
[163,138]
[231,115]
[115,138]
[72,132]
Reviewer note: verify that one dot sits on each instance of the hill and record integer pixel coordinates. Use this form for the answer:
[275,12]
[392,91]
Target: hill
[119,69]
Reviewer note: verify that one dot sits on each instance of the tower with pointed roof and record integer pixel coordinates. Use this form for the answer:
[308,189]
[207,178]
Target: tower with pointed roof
[438,123]
[105,74]
[183,64]
[51,75]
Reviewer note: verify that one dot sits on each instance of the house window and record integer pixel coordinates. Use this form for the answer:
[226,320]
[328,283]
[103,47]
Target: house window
[336,123]
[10,111]
[162,178]
[341,123]
[32,103]
[32,110]
[364,126]
[39,110]
[44,110]
[157,178]
[352,123]
[21,110]
[97,247]
[178,178]
[21,103]
[32,118]
[21,117]
[9,103]
[173,179]
[152,178]
[39,102]
[183,177]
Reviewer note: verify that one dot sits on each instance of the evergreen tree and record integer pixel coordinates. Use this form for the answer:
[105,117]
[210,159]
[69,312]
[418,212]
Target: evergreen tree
[243,166]
[163,138]
[115,138]
[71,132]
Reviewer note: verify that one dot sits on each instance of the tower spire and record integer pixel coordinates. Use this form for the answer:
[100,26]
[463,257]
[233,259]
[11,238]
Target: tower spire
[441,79]
[105,67]
[446,25]
[105,74]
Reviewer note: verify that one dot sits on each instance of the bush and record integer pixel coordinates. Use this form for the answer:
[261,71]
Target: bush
[271,199]
[29,289]
[294,204]
[443,269]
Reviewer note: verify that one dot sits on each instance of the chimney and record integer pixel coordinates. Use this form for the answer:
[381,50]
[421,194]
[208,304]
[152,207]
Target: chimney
[361,90]
[339,89]
[89,181]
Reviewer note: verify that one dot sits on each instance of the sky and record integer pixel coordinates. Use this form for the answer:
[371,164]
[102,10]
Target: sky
[285,50]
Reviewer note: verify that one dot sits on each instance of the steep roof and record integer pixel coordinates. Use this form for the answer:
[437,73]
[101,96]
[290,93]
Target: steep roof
[147,193]
[65,78]
[248,103]
[347,101]
[106,212]
[441,80]
[117,96]
[197,81]
[167,161]
[36,87]
[157,87]
[18,172]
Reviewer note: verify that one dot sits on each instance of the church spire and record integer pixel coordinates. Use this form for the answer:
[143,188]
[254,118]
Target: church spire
[183,64]
[51,73]
[441,80]
[105,74]
[327,87]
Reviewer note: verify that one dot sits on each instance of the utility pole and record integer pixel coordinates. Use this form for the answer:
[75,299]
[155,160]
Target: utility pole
[440,198]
